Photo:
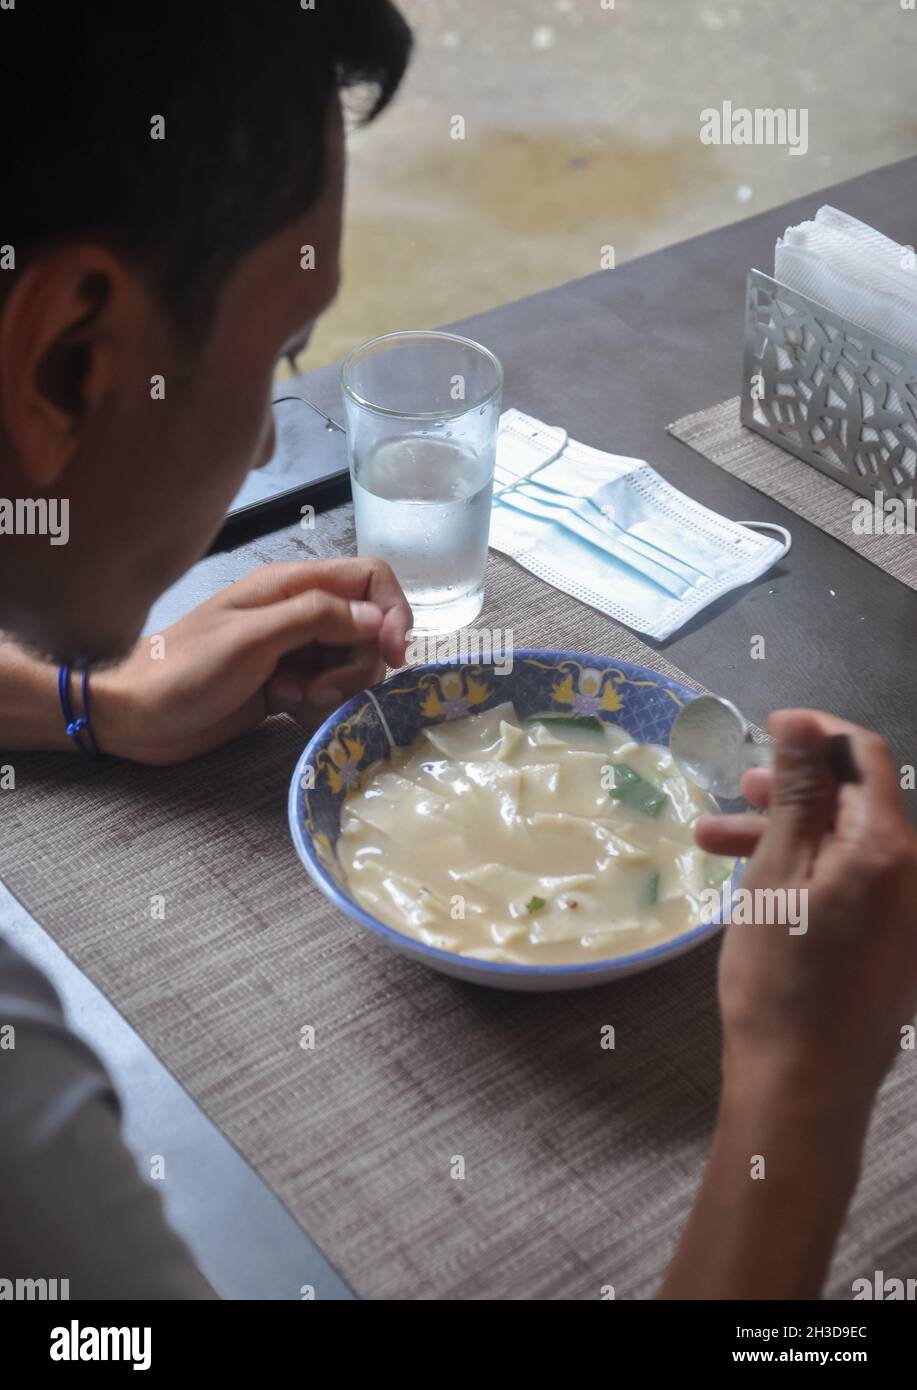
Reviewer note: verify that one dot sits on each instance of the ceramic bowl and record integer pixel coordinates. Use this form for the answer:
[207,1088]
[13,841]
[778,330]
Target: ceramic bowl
[642,702]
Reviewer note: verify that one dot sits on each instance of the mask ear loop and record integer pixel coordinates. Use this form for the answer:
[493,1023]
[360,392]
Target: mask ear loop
[771,526]
[542,463]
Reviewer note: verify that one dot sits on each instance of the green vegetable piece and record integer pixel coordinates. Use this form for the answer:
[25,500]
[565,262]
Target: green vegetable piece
[574,721]
[652,889]
[625,775]
[535,904]
[631,790]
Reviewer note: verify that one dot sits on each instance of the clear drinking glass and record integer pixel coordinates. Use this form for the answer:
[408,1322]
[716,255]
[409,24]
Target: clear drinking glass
[421,411]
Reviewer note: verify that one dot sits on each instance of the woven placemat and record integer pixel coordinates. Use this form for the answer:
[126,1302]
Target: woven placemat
[580,1162]
[720,436]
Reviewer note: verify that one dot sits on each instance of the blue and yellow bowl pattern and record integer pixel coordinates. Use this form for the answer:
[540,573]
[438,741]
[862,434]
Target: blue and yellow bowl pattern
[642,702]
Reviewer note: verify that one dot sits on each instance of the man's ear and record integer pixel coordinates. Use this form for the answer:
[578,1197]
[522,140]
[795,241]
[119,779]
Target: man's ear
[58,354]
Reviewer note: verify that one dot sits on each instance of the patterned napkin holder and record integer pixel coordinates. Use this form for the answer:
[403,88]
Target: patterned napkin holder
[833,394]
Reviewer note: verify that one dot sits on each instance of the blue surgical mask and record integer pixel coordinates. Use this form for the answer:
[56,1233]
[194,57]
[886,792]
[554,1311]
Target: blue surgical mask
[611,532]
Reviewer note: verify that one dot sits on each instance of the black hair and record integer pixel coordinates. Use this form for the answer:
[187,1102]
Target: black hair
[243,88]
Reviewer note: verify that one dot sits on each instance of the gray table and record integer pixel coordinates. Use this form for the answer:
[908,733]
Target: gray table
[614,358]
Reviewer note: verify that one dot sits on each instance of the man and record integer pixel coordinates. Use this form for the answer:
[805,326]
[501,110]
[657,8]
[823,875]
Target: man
[160,187]
[177,261]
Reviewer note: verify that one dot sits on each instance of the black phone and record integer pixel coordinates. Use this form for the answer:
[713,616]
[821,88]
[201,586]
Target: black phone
[308,468]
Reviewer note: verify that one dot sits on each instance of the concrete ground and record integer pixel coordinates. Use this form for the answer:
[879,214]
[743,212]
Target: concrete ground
[582,130]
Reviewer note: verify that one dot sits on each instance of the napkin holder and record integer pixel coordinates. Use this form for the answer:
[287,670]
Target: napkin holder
[828,391]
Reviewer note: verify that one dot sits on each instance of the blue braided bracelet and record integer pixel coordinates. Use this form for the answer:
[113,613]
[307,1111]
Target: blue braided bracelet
[77,728]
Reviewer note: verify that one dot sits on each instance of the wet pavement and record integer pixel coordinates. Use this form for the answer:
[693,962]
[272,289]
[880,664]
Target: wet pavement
[582,132]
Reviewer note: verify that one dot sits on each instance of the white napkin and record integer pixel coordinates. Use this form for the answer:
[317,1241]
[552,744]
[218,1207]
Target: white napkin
[875,244]
[851,268]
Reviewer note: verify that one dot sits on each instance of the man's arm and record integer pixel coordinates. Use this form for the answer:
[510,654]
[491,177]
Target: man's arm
[30,712]
[812,1013]
[294,638]
[778,1180]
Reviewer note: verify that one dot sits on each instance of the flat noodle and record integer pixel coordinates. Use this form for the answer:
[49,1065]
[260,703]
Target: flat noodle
[464,738]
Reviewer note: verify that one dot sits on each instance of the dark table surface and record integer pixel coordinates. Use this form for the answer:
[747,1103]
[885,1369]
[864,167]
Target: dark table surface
[615,358]
[618,356]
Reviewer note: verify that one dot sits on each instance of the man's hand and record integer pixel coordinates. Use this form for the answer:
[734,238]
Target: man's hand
[824,1008]
[811,1021]
[293,638]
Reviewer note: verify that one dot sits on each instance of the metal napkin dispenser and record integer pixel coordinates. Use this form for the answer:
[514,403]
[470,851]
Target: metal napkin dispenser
[833,394]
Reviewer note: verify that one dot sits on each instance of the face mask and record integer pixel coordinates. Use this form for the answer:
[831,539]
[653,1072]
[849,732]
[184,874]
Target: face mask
[611,532]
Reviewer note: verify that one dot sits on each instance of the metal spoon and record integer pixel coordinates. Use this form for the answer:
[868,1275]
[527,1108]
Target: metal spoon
[712,744]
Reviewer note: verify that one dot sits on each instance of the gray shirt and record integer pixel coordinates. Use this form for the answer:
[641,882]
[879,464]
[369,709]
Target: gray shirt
[72,1202]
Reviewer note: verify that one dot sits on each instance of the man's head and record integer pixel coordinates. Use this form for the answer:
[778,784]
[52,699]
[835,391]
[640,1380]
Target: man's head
[166,171]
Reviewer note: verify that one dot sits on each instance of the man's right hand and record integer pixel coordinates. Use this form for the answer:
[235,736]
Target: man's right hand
[821,1012]
[811,1020]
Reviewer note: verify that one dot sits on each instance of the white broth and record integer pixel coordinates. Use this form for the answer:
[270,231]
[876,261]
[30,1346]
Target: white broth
[537,842]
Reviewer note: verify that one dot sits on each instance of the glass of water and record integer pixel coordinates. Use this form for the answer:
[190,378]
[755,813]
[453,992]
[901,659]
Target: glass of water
[421,411]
